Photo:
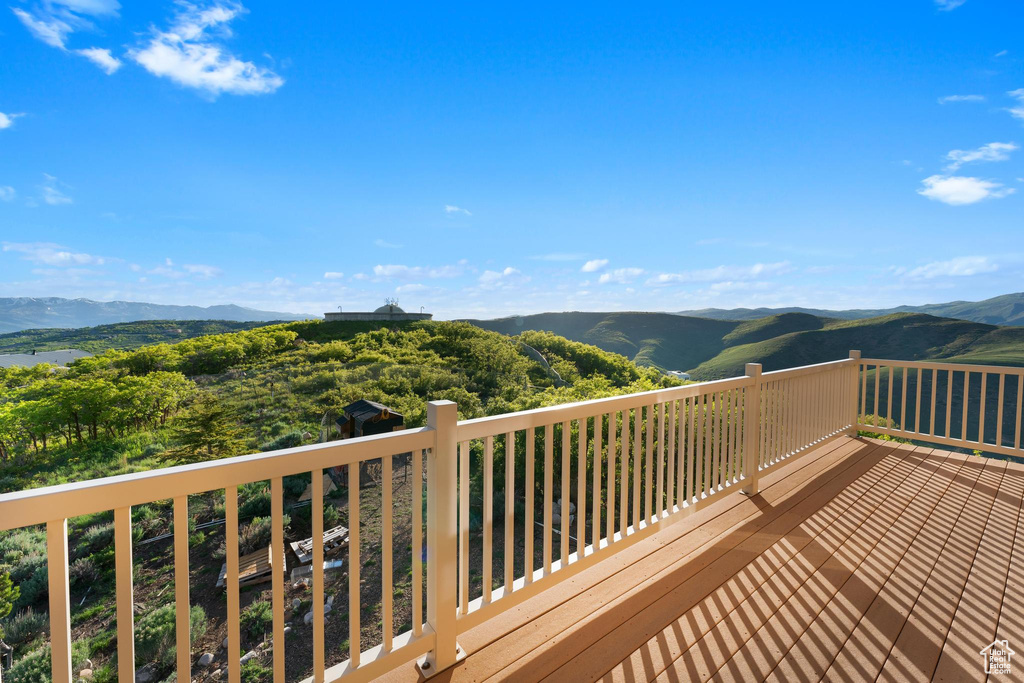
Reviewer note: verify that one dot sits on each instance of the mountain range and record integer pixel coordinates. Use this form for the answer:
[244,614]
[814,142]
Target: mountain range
[24,313]
[1007,309]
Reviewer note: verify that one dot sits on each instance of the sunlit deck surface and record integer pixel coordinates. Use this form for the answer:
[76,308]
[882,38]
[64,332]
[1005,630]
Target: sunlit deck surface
[862,560]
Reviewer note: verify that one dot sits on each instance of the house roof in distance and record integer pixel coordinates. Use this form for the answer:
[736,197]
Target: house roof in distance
[61,357]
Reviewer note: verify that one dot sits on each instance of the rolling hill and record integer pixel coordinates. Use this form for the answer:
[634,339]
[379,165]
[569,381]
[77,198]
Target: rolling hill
[712,349]
[1007,309]
[24,313]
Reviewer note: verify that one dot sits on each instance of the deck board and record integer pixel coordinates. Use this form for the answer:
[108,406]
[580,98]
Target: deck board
[859,559]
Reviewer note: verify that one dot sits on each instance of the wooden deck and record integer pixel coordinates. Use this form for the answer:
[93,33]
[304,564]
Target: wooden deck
[859,561]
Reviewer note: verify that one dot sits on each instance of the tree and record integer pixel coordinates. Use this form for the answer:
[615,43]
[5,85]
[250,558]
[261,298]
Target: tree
[205,431]
[8,596]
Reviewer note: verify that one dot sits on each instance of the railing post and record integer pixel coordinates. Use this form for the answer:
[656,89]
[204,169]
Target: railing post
[442,538]
[60,600]
[752,430]
[854,384]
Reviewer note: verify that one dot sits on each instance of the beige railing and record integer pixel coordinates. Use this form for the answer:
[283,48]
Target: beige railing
[612,470]
[976,407]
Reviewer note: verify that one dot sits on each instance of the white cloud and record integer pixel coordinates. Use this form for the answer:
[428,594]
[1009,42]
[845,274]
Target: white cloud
[50,254]
[203,271]
[558,256]
[948,5]
[449,208]
[993,151]
[1001,53]
[51,193]
[401,272]
[1017,112]
[594,265]
[333,275]
[957,267]
[410,288]
[503,279]
[52,21]
[7,120]
[961,98]
[102,58]
[960,190]
[384,244]
[189,53]
[620,275]
[7,193]
[722,273]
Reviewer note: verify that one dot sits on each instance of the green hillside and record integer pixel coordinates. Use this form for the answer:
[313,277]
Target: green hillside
[117,335]
[712,349]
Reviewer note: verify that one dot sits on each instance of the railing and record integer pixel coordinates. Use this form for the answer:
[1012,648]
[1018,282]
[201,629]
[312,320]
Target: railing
[595,477]
[977,407]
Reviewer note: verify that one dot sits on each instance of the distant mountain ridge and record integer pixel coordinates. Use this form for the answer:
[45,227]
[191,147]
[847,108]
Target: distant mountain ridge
[25,313]
[1007,309]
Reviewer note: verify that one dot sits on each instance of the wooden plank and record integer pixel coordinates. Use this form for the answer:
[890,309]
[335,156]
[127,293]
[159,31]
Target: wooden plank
[549,479]
[595,490]
[812,624]
[488,517]
[528,523]
[417,542]
[355,563]
[704,636]
[123,571]
[316,551]
[387,573]
[1011,608]
[638,460]
[612,459]
[550,639]
[581,489]
[563,555]
[463,527]
[624,475]
[509,530]
[937,624]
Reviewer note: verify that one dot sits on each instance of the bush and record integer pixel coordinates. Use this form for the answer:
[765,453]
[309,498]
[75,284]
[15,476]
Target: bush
[94,538]
[289,440]
[255,501]
[257,618]
[83,570]
[254,672]
[25,626]
[303,518]
[154,634]
[35,666]
[257,533]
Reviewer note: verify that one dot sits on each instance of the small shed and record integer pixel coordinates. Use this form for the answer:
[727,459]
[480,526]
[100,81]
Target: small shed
[364,418]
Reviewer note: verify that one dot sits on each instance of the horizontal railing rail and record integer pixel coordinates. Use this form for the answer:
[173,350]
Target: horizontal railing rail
[515,504]
[976,407]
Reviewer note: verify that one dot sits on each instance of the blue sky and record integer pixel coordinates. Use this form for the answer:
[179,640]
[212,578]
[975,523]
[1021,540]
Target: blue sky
[484,161]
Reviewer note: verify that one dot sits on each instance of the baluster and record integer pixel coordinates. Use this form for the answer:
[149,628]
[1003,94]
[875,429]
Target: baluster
[231,579]
[354,565]
[931,411]
[700,452]
[278,567]
[609,521]
[963,419]
[125,593]
[624,476]
[488,516]
[564,480]
[528,523]
[1020,411]
[919,376]
[387,574]
[595,492]
[903,399]
[981,417]
[316,512]
[548,485]
[510,510]
[999,410]
[638,456]
[649,466]
[670,472]
[182,607]
[60,599]
[417,541]
[581,489]
[464,526]
[949,403]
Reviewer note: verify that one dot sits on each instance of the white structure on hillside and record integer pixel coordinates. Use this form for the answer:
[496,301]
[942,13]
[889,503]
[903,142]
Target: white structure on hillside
[389,311]
[679,374]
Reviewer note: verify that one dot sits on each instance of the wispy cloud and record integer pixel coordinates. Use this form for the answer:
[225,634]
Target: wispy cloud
[401,272]
[559,256]
[1001,53]
[948,99]
[7,120]
[948,5]
[51,193]
[722,273]
[622,276]
[102,58]
[1017,111]
[993,151]
[451,208]
[204,272]
[503,279]
[961,190]
[594,265]
[958,267]
[50,254]
[384,244]
[7,193]
[190,53]
[333,275]
[52,21]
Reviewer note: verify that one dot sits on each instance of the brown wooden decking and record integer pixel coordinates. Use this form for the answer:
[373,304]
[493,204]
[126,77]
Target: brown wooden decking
[862,560]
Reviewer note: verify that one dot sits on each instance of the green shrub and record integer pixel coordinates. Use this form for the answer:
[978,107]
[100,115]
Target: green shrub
[302,518]
[35,666]
[254,672]
[257,618]
[289,440]
[24,627]
[83,570]
[154,634]
[257,533]
[255,501]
